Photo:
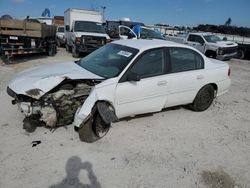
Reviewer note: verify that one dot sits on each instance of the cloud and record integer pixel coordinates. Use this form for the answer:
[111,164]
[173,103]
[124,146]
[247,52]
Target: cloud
[18,1]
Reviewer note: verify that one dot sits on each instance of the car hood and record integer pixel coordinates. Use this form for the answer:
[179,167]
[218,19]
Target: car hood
[226,44]
[37,81]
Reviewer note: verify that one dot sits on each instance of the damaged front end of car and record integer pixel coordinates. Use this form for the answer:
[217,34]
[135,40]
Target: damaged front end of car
[56,107]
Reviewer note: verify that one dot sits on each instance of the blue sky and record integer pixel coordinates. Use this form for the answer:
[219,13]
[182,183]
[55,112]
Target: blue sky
[173,12]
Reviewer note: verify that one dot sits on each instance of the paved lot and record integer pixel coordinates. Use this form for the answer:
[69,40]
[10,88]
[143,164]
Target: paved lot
[173,148]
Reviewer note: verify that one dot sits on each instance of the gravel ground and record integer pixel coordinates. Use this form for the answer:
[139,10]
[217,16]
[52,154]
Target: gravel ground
[173,148]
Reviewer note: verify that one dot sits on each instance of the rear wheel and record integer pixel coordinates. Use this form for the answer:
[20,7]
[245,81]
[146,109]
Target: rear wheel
[93,129]
[203,99]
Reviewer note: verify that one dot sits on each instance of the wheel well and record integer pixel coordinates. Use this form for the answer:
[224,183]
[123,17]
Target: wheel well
[214,86]
[209,53]
[241,48]
[106,111]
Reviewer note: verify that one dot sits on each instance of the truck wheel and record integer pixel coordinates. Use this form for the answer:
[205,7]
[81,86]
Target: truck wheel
[58,43]
[68,48]
[75,52]
[93,129]
[210,54]
[203,99]
[52,50]
[240,54]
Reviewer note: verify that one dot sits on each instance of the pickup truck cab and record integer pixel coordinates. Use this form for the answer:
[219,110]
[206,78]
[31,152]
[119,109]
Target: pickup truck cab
[60,36]
[209,44]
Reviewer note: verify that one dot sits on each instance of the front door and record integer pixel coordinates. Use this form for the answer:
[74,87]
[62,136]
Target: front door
[149,93]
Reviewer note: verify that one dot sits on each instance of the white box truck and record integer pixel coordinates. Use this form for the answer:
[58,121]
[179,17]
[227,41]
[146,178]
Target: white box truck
[84,31]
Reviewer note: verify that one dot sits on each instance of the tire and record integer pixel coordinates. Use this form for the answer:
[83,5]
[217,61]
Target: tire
[68,48]
[29,125]
[75,52]
[89,132]
[52,50]
[58,43]
[210,54]
[203,99]
[240,54]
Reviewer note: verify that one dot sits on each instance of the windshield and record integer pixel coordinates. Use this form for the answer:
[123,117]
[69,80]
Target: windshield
[60,30]
[83,26]
[109,60]
[149,33]
[212,38]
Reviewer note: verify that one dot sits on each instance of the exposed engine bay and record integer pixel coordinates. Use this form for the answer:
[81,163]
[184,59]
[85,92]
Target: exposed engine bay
[56,108]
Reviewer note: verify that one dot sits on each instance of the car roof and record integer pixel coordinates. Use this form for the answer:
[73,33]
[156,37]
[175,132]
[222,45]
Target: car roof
[145,44]
[201,33]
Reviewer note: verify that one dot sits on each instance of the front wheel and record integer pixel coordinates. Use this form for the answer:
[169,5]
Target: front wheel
[94,129]
[203,99]
[68,48]
[240,54]
[75,52]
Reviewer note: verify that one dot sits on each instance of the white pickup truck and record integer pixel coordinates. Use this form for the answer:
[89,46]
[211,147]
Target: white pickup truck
[209,44]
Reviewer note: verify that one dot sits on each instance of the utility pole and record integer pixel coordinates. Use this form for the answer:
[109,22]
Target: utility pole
[103,13]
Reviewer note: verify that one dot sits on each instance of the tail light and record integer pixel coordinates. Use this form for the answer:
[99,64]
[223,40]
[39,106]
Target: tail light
[229,72]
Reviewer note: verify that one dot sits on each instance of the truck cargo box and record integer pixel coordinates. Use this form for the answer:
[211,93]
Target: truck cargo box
[26,28]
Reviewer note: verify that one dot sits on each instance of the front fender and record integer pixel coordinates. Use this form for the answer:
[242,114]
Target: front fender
[83,113]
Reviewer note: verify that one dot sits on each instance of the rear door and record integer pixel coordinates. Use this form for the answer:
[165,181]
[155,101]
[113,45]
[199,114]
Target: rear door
[185,75]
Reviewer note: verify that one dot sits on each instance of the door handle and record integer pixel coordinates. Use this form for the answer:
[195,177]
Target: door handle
[199,77]
[162,83]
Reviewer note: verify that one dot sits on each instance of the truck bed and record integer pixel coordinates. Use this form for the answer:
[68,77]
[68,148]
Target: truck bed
[26,28]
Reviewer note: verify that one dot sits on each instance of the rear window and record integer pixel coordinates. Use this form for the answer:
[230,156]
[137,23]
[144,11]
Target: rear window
[183,59]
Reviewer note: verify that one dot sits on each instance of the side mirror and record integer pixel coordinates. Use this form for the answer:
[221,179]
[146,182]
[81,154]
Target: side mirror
[224,38]
[67,27]
[133,77]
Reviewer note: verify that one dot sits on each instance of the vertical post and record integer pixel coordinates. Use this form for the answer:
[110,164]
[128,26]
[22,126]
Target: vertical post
[103,13]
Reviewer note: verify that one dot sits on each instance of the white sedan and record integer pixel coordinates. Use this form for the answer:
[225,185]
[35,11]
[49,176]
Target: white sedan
[123,78]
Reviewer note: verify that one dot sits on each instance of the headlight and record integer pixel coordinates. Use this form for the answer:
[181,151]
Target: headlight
[78,40]
[220,51]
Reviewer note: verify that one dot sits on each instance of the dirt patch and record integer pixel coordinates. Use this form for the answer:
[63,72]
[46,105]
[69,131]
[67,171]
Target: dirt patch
[218,179]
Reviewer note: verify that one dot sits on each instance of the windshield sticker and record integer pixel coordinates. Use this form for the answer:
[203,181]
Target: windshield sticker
[124,53]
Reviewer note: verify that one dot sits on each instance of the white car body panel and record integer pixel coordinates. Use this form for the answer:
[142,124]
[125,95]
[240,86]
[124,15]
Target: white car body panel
[47,77]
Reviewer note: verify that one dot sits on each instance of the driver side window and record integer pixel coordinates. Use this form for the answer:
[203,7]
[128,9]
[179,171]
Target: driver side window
[150,64]
[199,40]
